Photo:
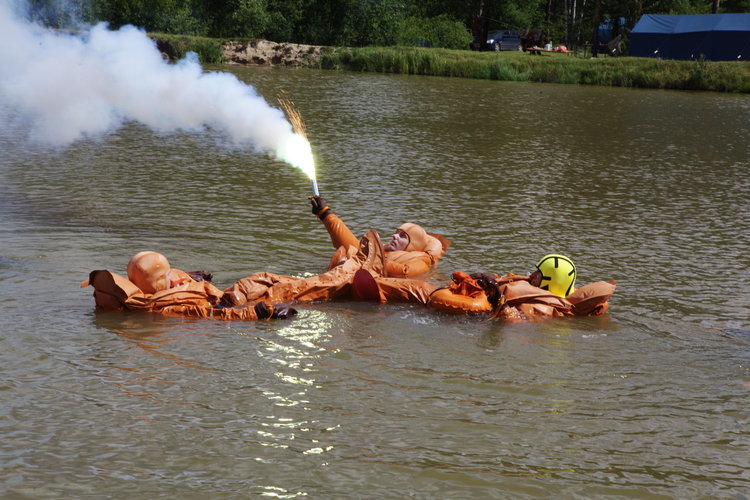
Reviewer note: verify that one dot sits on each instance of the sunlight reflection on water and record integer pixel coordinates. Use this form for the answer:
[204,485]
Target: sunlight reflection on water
[354,399]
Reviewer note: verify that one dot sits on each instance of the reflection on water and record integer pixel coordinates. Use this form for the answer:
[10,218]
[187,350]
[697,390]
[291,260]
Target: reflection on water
[351,400]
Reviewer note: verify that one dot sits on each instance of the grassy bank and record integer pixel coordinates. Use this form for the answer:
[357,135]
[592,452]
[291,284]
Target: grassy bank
[548,68]
[176,46]
[731,76]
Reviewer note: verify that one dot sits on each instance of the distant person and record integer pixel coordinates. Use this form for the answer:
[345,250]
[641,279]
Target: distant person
[411,251]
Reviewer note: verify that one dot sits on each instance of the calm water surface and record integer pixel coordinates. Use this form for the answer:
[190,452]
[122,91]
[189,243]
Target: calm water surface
[357,401]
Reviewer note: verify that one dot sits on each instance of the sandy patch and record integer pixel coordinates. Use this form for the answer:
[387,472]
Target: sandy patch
[266,53]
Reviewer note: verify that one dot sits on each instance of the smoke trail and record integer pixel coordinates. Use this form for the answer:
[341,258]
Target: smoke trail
[74,86]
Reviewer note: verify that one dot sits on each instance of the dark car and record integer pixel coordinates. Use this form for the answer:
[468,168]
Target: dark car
[499,40]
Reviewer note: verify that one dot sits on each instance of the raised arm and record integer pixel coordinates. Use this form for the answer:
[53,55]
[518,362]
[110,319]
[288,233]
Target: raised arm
[340,234]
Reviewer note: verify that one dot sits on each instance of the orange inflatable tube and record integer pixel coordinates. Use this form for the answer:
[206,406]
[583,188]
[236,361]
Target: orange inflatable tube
[446,300]
[463,295]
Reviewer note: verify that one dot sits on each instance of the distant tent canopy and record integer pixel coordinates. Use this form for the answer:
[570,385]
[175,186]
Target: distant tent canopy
[714,37]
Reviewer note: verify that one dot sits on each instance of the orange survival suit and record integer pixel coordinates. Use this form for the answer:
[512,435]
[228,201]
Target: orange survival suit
[170,292]
[363,270]
[513,298]
[422,252]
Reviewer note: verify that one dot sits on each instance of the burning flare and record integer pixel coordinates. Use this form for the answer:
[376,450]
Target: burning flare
[296,150]
[65,87]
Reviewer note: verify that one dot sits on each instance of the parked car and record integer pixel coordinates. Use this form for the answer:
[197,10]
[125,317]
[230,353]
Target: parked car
[499,40]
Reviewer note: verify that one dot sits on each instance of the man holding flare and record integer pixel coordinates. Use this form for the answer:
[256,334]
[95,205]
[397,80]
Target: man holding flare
[411,251]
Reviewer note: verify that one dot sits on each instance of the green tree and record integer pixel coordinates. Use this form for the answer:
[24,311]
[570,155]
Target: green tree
[320,21]
[285,20]
[363,22]
[248,18]
[370,22]
[170,16]
[735,6]
[440,31]
[58,14]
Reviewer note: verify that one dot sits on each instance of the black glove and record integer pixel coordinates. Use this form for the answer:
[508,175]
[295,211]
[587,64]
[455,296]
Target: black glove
[201,275]
[491,287]
[263,310]
[485,280]
[320,207]
[495,296]
[277,311]
[283,311]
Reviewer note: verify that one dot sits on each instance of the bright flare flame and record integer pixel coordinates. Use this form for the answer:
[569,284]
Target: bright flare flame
[296,151]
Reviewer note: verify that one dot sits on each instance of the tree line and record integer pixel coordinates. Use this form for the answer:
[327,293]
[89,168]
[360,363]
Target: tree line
[436,23]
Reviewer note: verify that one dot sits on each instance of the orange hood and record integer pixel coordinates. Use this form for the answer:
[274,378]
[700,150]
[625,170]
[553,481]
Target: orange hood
[149,271]
[420,241]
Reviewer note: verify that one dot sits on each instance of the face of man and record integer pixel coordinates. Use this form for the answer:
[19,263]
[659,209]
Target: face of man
[399,241]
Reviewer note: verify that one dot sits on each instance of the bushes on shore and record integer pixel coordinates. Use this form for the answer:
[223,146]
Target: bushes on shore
[549,68]
[439,31]
[176,46]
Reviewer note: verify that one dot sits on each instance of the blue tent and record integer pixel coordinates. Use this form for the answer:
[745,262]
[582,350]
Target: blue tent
[715,37]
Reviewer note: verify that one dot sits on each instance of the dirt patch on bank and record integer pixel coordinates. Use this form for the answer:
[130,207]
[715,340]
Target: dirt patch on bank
[266,53]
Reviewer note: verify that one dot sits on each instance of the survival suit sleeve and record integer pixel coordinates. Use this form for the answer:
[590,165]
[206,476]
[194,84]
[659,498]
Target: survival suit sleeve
[112,291]
[404,290]
[252,288]
[592,299]
[340,234]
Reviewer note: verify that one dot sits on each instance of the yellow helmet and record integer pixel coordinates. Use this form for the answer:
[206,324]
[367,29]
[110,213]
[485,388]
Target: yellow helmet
[558,274]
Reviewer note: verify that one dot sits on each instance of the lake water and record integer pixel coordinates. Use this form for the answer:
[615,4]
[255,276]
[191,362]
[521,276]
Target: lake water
[354,400]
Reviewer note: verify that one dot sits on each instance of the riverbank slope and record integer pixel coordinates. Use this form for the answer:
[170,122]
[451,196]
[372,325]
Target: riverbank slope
[725,76]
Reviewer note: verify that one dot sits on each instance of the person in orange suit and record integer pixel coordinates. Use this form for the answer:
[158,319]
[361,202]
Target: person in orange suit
[154,286]
[411,251]
[547,292]
[359,277]
[359,269]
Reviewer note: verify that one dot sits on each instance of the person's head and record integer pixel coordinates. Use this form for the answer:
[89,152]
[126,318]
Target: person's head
[399,241]
[149,271]
[410,237]
[556,273]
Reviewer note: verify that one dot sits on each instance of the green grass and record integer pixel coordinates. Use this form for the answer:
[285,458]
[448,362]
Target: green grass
[731,76]
[548,68]
[176,46]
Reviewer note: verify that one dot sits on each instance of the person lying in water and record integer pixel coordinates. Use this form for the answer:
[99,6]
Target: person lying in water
[547,292]
[411,251]
[154,286]
[360,269]
[362,276]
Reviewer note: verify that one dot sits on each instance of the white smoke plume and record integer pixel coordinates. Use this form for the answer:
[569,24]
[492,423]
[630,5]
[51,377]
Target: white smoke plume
[74,86]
